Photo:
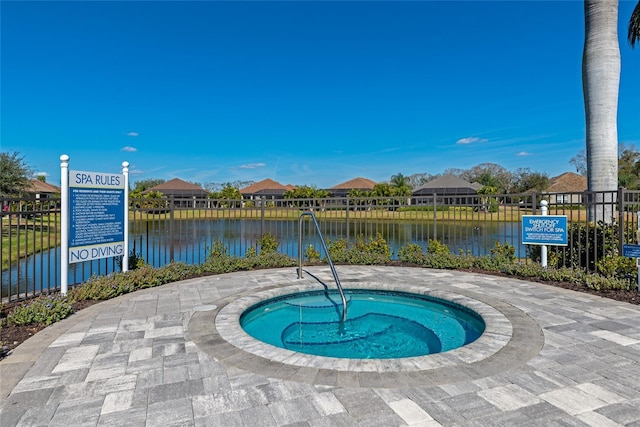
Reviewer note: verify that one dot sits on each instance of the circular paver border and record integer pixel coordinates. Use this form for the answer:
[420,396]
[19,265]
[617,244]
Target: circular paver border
[511,339]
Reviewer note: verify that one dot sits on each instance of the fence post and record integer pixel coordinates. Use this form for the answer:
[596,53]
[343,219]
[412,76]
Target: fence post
[262,207]
[171,249]
[347,216]
[621,219]
[435,217]
[543,249]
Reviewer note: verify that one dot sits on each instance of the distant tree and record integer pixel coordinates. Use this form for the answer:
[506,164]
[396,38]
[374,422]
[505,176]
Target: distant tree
[218,186]
[145,184]
[633,34]
[228,194]
[306,192]
[418,179]
[139,187]
[41,178]
[629,167]
[455,172]
[382,189]
[15,174]
[400,185]
[489,204]
[490,174]
[525,180]
[579,161]
[354,193]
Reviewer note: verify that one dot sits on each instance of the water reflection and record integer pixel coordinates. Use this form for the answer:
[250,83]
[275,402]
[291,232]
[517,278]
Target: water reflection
[161,241]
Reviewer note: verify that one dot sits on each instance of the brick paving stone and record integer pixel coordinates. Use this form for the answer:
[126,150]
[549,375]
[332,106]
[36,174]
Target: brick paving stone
[621,413]
[71,413]
[410,412]
[170,412]
[292,411]
[133,417]
[134,360]
[597,420]
[509,397]
[228,419]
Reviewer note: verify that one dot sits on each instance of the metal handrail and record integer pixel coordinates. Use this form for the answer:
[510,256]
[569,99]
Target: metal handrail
[326,251]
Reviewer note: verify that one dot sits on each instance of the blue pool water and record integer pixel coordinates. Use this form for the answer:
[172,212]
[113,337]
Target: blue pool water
[379,325]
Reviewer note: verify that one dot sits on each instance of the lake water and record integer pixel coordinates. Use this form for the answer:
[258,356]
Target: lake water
[159,242]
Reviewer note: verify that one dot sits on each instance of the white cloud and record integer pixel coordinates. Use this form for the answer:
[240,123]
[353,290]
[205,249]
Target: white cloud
[470,140]
[253,165]
[129,149]
[523,154]
[133,134]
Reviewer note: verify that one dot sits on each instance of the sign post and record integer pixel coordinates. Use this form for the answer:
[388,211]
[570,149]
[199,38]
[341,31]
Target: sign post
[544,230]
[125,174]
[64,230]
[633,251]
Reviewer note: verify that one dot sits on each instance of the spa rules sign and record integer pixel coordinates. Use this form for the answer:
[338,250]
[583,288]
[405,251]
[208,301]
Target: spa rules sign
[96,215]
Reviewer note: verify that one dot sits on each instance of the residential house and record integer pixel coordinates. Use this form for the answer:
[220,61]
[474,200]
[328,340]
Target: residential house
[449,190]
[567,188]
[42,190]
[184,194]
[360,184]
[267,188]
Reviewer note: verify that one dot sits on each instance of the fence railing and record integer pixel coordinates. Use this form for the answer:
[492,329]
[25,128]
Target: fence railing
[185,229]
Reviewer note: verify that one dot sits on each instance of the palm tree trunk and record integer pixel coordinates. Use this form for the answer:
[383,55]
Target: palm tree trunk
[600,84]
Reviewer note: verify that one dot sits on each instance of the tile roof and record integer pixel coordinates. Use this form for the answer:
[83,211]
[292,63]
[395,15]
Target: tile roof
[37,186]
[266,184]
[356,183]
[176,184]
[567,182]
[448,181]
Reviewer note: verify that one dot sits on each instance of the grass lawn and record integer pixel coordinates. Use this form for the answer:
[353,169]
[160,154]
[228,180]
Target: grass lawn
[21,238]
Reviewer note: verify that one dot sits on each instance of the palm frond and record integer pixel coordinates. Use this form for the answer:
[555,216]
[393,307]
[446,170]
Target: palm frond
[634,26]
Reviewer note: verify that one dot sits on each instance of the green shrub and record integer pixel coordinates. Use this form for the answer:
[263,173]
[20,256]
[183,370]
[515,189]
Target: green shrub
[135,260]
[312,254]
[503,252]
[378,245]
[617,266]
[375,251]
[268,244]
[218,250]
[338,250]
[250,252]
[411,253]
[435,247]
[44,309]
[589,242]
[120,283]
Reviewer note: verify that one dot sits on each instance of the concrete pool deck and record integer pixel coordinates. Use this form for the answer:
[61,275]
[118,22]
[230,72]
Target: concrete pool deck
[163,356]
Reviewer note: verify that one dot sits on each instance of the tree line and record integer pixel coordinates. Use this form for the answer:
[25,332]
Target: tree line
[16,176]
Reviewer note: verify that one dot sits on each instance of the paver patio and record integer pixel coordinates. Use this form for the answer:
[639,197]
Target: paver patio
[155,357]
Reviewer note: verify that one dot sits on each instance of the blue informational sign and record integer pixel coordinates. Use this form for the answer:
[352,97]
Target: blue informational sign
[96,211]
[544,230]
[631,251]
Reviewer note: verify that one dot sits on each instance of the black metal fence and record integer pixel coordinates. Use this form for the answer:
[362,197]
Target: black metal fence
[165,230]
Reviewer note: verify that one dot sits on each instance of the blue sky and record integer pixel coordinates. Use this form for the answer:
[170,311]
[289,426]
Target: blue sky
[311,93]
